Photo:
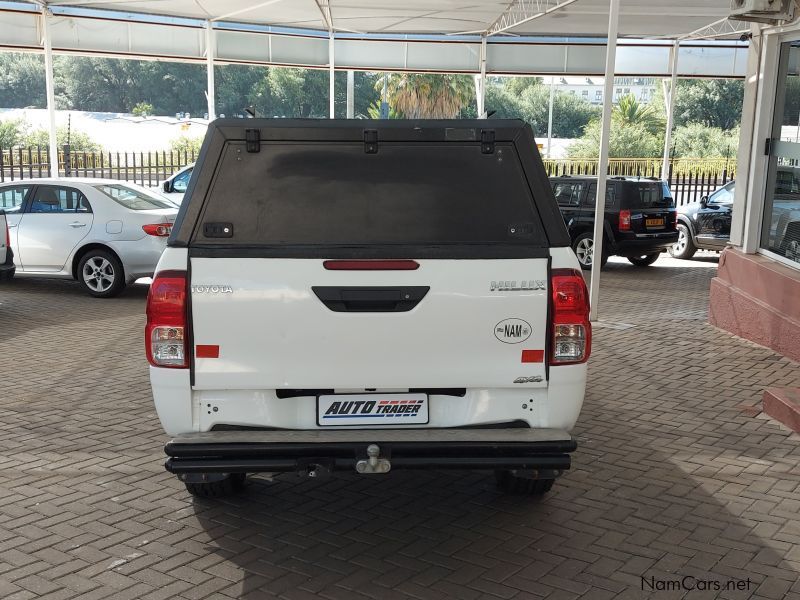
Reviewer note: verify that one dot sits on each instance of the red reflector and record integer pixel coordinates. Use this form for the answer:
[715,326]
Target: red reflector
[532,356]
[371,265]
[207,351]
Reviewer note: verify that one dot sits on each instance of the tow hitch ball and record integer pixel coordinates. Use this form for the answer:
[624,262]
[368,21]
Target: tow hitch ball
[373,464]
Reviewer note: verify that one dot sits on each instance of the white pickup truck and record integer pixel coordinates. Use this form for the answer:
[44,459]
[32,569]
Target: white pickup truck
[368,296]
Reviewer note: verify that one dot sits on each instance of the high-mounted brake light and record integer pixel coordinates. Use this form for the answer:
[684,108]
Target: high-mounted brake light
[166,332]
[624,220]
[371,265]
[158,229]
[572,332]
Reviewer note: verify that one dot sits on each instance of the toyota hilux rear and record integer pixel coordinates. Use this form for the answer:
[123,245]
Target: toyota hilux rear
[342,295]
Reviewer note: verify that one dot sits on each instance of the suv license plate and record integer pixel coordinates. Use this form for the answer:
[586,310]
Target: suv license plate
[654,222]
[372,409]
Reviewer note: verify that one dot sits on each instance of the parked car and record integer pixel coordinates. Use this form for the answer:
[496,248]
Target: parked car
[705,224]
[103,233]
[639,217]
[175,187]
[403,296]
[7,267]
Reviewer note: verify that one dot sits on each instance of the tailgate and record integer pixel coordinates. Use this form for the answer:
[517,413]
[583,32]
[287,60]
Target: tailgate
[276,323]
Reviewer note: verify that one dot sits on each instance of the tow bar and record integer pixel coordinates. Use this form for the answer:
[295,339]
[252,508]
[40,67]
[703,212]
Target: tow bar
[373,464]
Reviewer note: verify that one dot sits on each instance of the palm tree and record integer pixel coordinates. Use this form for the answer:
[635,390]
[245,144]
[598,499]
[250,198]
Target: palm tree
[628,111]
[428,96]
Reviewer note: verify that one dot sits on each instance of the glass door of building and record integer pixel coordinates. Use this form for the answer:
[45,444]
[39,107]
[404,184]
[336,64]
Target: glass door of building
[780,232]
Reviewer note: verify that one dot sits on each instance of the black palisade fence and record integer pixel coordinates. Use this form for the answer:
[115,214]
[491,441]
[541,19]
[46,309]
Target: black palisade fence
[144,168]
[689,179]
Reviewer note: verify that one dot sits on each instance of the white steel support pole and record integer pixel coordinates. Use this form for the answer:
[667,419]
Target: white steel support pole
[50,90]
[602,164]
[481,91]
[550,117]
[331,72]
[211,51]
[670,108]
[351,100]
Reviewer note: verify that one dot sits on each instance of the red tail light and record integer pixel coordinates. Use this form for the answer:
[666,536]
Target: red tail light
[371,265]
[158,229]
[673,219]
[8,236]
[166,330]
[572,332]
[624,220]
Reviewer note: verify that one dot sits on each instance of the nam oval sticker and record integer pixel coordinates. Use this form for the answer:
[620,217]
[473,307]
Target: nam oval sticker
[512,331]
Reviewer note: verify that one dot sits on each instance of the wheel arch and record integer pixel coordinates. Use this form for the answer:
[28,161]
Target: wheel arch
[83,250]
[684,220]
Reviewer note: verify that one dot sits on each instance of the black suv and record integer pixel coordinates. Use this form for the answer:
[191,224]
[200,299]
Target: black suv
[640,217]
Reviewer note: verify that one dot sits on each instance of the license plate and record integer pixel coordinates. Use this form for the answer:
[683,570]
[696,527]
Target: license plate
[372,409]
[654,222]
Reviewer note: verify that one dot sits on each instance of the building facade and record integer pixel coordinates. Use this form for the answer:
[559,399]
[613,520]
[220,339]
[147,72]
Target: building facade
[756,293]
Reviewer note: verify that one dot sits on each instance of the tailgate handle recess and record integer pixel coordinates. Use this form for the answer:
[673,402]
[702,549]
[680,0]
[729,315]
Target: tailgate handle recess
[370,299]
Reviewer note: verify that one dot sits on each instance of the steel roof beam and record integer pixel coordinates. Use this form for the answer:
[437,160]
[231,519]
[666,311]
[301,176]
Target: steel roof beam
[522,11]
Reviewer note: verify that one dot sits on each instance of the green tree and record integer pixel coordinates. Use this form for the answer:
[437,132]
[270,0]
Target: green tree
[626,141]
[187,144]
[699,141]
[78,141]
[12,132]
[629,111]
[143,109]
[571,114]
[504,103]
[711,102]
[428,95]
[22,80]
[236,88]
[114,85]
[290,92]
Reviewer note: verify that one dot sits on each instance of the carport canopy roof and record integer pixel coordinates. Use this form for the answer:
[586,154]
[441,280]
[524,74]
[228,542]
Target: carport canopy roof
[638,18]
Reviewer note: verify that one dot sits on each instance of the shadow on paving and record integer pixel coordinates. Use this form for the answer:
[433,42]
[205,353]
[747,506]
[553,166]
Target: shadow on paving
[18,296]
[452,533]
[665,484]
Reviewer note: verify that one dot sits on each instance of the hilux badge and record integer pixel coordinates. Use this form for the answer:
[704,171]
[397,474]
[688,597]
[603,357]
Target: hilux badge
[515,286]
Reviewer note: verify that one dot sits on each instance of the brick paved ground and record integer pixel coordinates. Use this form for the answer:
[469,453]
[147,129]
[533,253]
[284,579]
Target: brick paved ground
[677,474]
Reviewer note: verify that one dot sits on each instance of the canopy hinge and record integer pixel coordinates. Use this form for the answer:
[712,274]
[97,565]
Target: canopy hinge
[370,141]
[487,141]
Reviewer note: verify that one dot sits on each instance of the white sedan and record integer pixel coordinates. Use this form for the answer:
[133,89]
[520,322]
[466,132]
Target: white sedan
[103,233]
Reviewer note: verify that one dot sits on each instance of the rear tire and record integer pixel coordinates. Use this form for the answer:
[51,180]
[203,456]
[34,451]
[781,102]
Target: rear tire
[684,248]
[232,484]
[645,260]
[101,274]
[509,483]
[583,246]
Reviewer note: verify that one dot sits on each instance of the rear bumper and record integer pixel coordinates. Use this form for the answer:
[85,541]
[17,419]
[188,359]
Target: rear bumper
[300,450]
[645,243]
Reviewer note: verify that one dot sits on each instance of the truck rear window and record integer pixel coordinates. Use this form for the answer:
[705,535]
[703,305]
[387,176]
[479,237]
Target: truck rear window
[650,194]
[334,194]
